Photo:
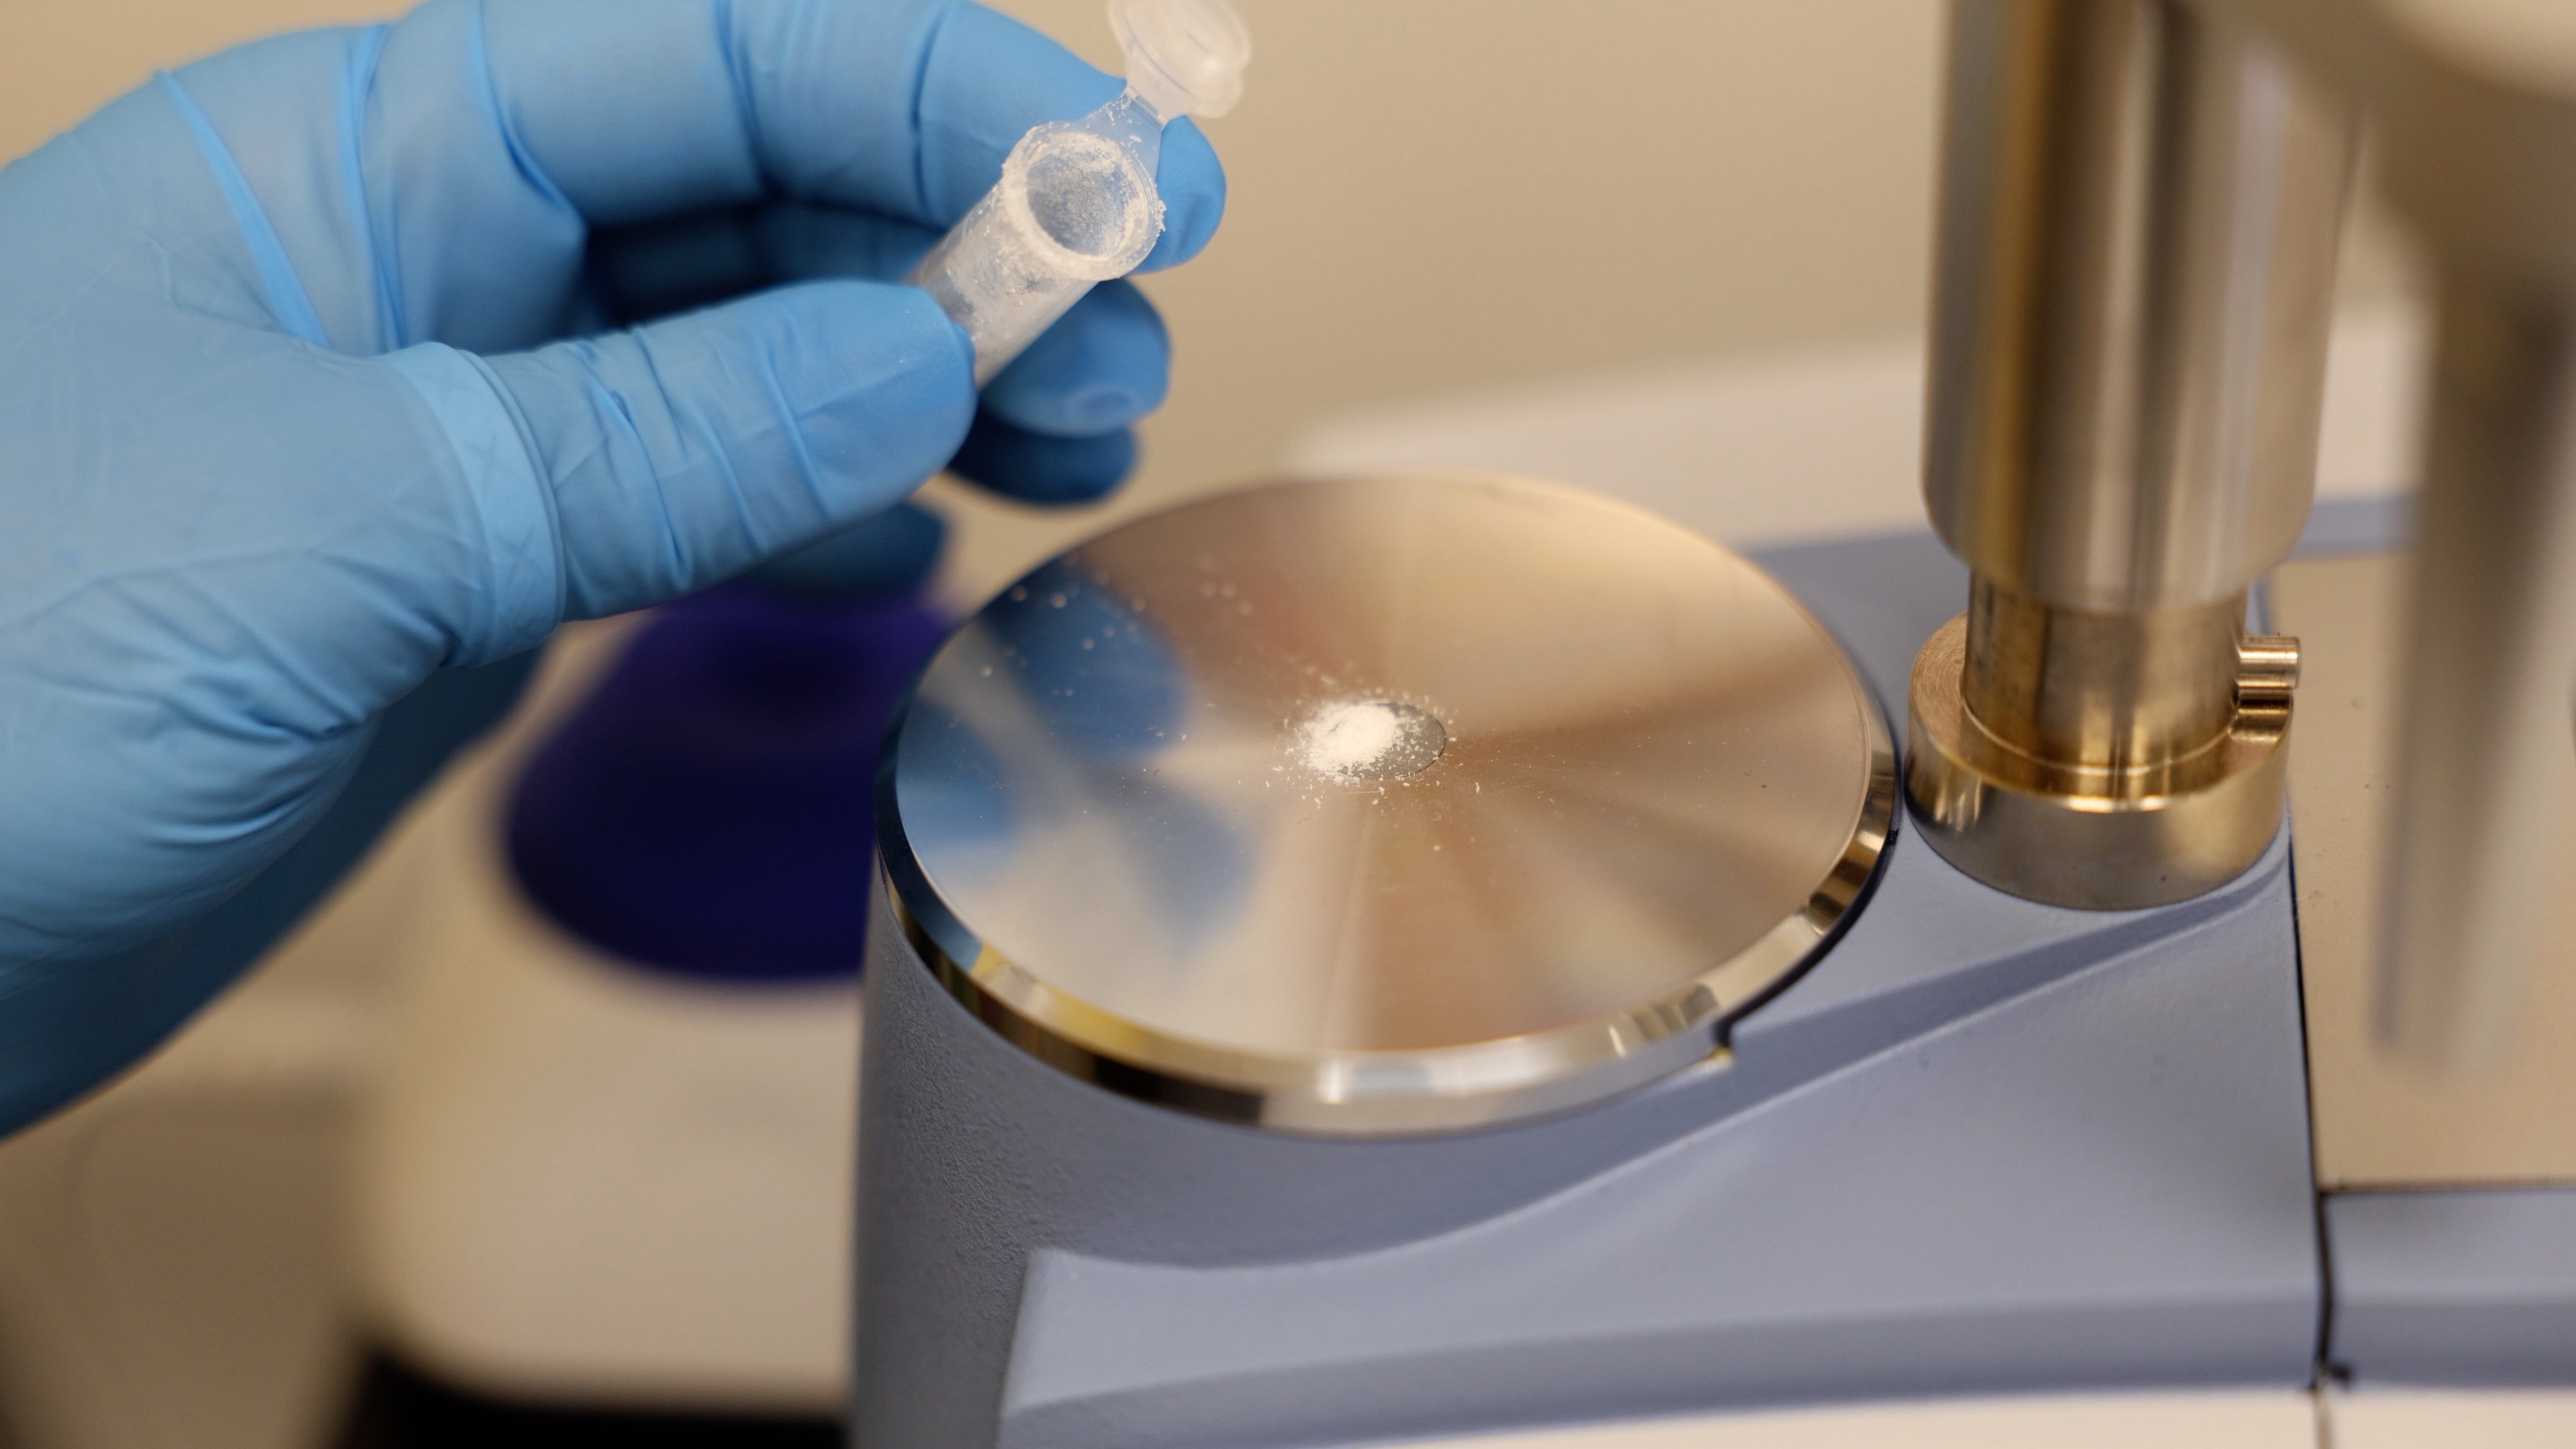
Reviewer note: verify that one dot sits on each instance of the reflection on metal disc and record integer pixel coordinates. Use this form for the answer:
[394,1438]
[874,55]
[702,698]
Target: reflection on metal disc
[1383,805]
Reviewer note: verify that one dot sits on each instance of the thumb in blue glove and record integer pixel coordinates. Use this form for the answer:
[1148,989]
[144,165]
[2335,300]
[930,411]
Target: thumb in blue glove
[299,472]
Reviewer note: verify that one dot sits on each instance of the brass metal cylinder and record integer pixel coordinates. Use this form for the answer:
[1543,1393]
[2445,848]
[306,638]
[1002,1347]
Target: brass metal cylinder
[2115,689]
[2089,836]
[2140,209]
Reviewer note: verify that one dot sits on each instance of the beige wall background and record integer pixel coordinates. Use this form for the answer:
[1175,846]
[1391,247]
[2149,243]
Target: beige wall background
[1428,196]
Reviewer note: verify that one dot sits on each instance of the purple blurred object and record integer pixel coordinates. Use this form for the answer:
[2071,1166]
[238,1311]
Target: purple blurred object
[708,810]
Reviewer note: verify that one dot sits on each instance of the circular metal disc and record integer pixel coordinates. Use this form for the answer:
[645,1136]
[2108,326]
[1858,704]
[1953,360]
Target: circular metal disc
[1383,805]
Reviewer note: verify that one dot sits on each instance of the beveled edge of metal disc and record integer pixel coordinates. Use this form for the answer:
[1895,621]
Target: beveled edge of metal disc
[1395,1093]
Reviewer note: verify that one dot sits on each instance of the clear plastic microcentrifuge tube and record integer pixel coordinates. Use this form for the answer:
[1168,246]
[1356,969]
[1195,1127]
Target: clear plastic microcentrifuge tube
[1076,204]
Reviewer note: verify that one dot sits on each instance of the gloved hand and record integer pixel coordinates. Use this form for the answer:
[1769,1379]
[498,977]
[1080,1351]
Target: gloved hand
[295,472]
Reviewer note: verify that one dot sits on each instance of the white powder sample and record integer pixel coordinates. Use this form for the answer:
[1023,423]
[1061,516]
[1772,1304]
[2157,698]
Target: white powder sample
[1348,738]
[1369,739]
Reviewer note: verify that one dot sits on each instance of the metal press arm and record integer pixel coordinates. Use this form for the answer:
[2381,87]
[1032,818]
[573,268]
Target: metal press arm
[2141,203]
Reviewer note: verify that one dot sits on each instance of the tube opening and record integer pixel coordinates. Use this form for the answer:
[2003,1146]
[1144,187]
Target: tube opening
[1082,200]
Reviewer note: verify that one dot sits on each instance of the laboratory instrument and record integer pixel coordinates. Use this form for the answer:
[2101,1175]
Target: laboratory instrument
[1205,1101]
[1076,204]
[1161,1143]
[2135,271]
[2141,202]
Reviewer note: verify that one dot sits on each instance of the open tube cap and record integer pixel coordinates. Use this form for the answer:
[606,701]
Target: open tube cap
[1184,57]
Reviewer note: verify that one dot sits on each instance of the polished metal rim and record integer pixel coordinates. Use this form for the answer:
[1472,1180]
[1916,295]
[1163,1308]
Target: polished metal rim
[1374,1092]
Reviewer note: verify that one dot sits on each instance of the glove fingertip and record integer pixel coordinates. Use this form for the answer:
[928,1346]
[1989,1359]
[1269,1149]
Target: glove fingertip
[886,555]
[1100,368]
[902,324]
[887,377]
[1033,468]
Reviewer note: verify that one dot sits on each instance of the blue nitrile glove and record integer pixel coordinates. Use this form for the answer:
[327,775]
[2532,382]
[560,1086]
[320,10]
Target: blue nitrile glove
[291,482]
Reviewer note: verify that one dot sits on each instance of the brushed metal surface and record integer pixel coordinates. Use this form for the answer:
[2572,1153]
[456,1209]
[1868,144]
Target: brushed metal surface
[2487,755]
[2380,1123]
[1135,813]
[2141,201]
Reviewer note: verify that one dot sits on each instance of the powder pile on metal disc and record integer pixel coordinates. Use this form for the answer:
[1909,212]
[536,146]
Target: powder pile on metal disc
[1369,739]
